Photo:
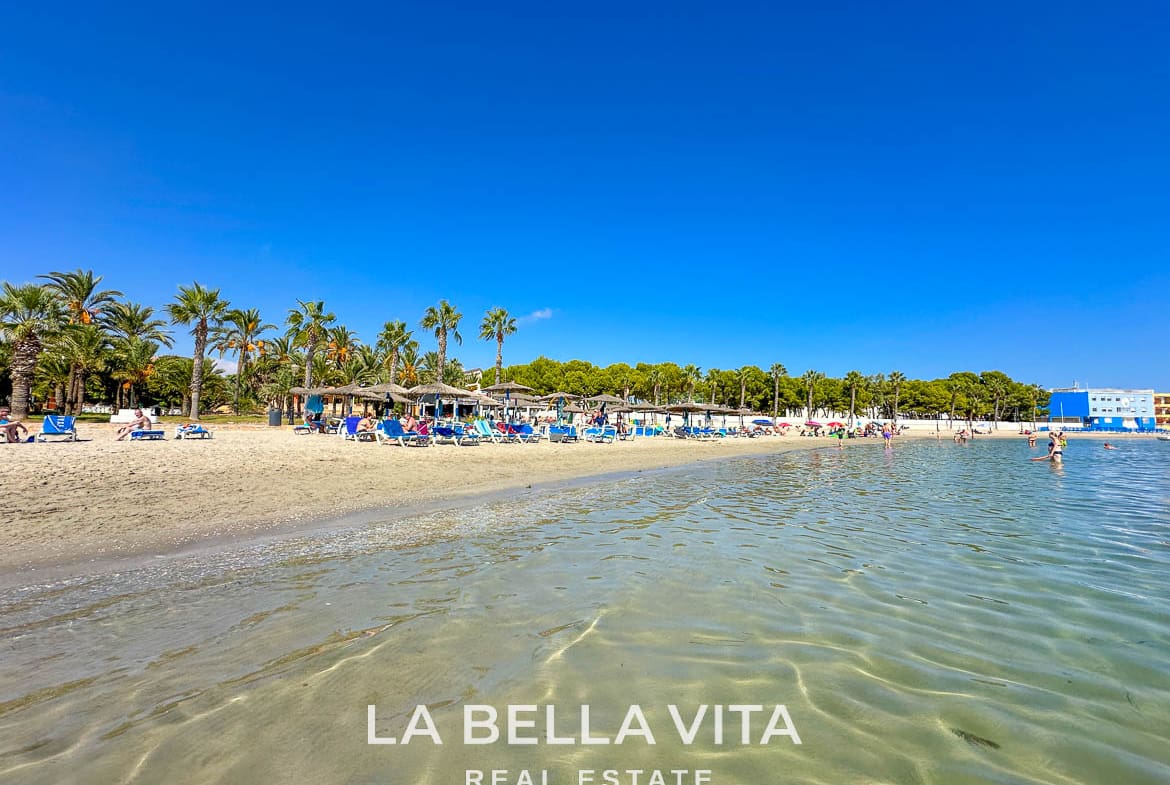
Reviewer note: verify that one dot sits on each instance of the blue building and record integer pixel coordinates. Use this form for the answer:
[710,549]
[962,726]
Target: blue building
[1102,409]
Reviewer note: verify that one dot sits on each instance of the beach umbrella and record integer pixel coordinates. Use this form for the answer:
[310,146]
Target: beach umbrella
[835,424]
[685,408]
[507,388]
[763,421]
[387,388]
[385,392]
[559,398]
[812,423]
[440,391]
[347,392]
[604,398]
[554,396]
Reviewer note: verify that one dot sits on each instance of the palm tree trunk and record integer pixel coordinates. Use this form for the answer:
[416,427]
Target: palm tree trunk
[197,370]
[80,390]
[24,362]
[310,353]
[852,404]
[69,388]
[742,393]
[393,365]
[239,374]
[499,355]
[442,354]
[776,398]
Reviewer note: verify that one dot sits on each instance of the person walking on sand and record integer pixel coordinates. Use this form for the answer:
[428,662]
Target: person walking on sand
[141,422]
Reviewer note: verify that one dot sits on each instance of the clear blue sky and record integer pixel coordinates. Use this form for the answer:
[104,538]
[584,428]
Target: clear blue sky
[946,187]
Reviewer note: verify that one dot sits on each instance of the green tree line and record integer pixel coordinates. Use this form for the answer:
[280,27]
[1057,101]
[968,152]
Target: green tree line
[65,339]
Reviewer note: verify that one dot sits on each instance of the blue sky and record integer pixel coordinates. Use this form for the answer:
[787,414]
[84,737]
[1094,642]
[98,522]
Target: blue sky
[938,187]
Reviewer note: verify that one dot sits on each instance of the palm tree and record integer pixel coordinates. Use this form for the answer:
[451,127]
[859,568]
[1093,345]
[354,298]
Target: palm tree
[811,379]
[203,309]
[428,368]
[135,359]
[692,374]
[877,389]
[307,326]
[654,378]
[83,303]
[340,346]
[497,324]
[86,346]
[444,320]
[127,320]
[240,332]
[80,295]
[713,385]
[896,380]
[29,315]
[391,341]
[410,364]
[777,372]
[854,381]
[743,374]
[52,368]
[998,384]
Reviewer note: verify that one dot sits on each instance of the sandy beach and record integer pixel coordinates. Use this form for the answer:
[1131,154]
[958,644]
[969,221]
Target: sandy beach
[100,498]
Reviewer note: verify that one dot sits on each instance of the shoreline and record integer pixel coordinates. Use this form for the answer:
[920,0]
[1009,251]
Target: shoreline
[101,505]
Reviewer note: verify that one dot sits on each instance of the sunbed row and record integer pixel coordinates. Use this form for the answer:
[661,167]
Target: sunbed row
[390,431]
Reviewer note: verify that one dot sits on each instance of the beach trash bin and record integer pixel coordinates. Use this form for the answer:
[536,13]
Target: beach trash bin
[274,416]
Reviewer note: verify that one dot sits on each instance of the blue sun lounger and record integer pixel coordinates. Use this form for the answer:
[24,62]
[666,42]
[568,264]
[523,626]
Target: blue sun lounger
[147,436]
[192,432]
[390,431]
[58,425]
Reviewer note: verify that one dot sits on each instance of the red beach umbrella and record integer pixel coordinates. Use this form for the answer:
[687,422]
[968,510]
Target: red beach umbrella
[835,424]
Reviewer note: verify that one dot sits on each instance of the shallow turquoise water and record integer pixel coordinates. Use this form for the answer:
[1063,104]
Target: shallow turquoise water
[934,614]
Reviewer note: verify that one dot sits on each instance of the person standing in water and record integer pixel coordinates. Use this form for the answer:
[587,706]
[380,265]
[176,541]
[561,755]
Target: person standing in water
[1055,451]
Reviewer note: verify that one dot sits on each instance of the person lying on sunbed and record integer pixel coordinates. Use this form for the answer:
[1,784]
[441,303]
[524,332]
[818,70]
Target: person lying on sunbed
[364,425]
[11,428]
[141,422]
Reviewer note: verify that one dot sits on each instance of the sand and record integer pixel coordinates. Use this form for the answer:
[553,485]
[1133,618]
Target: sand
[101,499]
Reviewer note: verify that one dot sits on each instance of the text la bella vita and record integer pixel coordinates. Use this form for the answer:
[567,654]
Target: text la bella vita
[482,725]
